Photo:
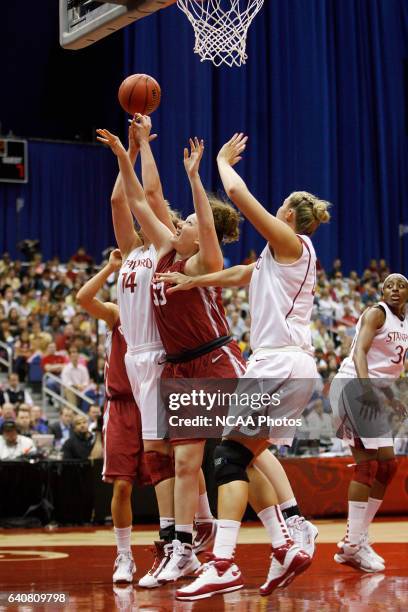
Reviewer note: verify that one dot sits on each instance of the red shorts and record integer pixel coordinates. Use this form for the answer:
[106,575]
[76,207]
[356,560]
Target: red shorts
[122,443]
[224,362]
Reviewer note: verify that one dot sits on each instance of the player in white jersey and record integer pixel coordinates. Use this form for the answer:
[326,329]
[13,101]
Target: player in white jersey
[145,355]
[282,286]
[358,394]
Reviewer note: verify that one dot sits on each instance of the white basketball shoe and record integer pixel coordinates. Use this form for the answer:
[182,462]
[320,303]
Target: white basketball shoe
[124,568]
[183,562]
[359,557]
[303,533]
[216,576]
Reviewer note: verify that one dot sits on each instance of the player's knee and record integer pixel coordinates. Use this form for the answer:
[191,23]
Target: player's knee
[185,466]
[231,460]
[122,489]
[160,466]
[386,471]
[364,472]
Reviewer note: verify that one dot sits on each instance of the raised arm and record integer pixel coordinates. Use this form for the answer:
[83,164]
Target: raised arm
[155,231]
[86,296]
[125,234]
[140,131]
[209,257]
[237,276]
[280,236]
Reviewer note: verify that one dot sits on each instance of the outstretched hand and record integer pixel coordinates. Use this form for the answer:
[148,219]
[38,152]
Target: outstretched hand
[115,259]
[180,282]
[135,135]
[231,151]
[192,159]
[111,141]
[140,128]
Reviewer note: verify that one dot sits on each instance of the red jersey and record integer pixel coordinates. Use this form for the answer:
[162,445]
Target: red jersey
[116,380]
[187,320]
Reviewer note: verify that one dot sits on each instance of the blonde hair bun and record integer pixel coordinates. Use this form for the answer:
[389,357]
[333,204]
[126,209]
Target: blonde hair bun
[321,212]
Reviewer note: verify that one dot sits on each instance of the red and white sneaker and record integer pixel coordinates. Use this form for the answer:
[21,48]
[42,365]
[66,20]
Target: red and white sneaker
[359,557]
[216,576]
[287,562]
[182,562]
[365,544]
[162,553]
[205,535]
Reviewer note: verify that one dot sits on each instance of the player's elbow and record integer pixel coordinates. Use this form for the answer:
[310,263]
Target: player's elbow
[237,193]
[81,298]
[233,192]
[117,201]
[151,192]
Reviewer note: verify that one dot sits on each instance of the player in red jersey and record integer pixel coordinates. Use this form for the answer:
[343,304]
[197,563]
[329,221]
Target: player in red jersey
[197,344]
[144,358]
[122,431]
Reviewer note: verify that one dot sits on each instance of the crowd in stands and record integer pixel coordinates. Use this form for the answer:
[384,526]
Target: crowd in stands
[49,334]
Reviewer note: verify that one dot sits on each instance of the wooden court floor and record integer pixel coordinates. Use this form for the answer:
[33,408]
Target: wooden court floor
[78,562]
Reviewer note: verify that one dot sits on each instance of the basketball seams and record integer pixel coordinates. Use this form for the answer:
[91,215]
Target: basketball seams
[129,103]
[145,106]
[139,93]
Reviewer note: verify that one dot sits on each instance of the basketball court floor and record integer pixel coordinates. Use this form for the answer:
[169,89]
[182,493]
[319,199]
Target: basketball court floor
[78,562]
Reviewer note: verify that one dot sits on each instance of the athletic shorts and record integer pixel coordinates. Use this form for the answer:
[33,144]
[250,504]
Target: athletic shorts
[293,375]
[353,422]
[122,443]
[144,366]
[223,362]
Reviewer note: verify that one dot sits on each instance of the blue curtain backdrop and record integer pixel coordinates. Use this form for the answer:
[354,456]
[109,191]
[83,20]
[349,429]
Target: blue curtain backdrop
[322,98]
[66,201]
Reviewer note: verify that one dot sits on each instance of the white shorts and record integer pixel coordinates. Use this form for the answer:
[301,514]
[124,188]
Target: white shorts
[291,374]
[345,399]
[144,365]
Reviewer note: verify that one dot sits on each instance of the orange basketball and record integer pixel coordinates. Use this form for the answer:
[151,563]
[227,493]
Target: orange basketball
[139,93]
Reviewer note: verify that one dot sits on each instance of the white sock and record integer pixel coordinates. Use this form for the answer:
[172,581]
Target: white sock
[356,512]
[226,538]
[288,504]
[203,514]
[185,528]
[122,537]
[371,510]
[274,523]
[166,522]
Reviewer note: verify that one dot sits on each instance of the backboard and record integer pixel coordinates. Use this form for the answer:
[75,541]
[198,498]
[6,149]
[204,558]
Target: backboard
[83,22]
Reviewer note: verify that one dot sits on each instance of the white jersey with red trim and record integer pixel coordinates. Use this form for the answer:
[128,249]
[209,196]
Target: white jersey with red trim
[389,347]
[133,294]
[281,300]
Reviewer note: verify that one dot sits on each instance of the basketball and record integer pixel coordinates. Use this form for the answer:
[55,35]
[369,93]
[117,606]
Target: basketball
[139,93]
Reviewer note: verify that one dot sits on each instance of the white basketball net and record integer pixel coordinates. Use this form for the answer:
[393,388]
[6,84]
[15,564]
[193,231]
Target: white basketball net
[221,28]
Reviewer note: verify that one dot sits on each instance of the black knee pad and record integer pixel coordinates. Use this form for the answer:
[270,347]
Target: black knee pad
[231,460]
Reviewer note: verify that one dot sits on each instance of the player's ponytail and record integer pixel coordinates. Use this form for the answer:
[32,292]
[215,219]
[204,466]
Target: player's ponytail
[310,211]
[226,219]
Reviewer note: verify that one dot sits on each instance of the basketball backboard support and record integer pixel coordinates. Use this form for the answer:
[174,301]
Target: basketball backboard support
[83,22]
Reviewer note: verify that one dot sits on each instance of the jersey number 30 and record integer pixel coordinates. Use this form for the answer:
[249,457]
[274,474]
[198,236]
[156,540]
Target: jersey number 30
[400,355]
